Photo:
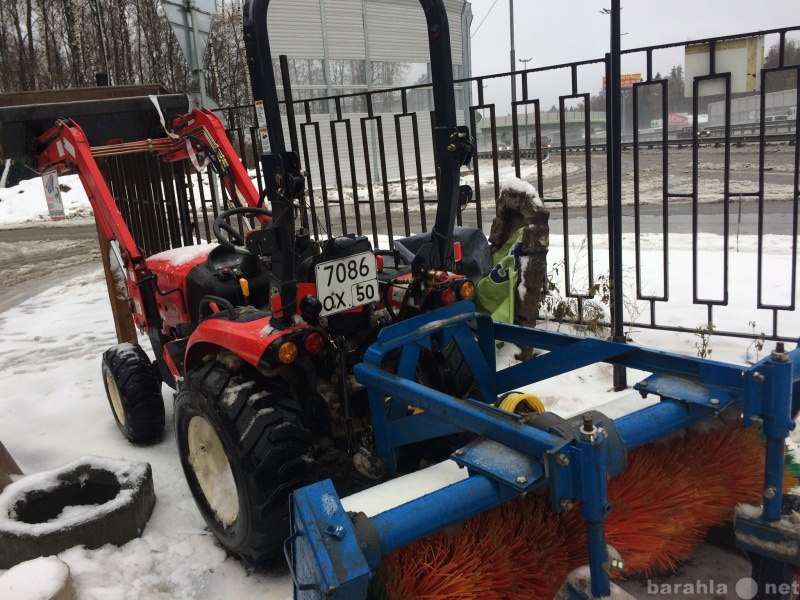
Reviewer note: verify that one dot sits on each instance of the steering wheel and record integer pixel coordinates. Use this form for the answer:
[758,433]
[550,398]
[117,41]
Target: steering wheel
[234,240]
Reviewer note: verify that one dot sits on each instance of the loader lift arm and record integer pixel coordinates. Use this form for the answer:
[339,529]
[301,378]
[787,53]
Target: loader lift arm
[66,148]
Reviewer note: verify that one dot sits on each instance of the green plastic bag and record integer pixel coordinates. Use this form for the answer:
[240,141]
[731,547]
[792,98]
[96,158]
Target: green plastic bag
[496,294]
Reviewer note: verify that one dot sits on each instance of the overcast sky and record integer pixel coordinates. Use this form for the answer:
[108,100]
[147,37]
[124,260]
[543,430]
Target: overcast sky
[572,30]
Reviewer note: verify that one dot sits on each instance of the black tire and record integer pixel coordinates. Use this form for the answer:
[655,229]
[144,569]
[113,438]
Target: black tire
[446,370]
[240,436]
[133,389]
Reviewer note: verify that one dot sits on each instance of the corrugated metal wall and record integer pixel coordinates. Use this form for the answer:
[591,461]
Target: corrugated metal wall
[345,26]
[295,28]
[397,31]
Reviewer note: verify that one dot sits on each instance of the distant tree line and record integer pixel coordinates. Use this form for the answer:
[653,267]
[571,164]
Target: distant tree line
[54,44]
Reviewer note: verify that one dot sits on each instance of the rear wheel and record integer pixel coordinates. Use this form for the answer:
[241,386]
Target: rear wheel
[134,393]
[244,450]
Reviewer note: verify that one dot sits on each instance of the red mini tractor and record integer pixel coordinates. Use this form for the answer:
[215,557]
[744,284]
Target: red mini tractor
[259,332]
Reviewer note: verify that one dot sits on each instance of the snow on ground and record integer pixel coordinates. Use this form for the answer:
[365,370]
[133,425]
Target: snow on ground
[54,409]
[25,203]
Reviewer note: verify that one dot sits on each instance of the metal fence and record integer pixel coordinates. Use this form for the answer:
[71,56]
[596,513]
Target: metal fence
[371,170]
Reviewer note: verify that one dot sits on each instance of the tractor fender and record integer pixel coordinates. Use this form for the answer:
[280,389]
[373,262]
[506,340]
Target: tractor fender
[248,339]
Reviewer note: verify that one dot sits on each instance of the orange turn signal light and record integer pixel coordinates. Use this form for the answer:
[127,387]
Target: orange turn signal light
[467,290]
[287,353]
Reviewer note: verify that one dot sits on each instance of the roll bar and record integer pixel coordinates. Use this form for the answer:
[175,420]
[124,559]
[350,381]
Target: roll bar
[453,144]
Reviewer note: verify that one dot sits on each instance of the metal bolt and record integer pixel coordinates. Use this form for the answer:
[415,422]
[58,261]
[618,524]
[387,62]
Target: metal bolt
[452,147]
[758,377]
[617,564]
[566,504]
[522,480]
[779,354]
[562,460]
[643,384]
[770,492]
[714,401]
[588,423]
[459,452]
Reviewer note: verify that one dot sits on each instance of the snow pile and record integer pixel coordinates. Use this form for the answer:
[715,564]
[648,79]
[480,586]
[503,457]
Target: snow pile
[180,256]
[515,184]
[38,579]
[25,203]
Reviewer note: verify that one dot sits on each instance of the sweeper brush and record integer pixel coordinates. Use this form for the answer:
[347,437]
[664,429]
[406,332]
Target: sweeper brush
[551,503]
[490,556]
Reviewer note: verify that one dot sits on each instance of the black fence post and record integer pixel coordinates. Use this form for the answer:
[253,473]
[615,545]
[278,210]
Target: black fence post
[614,85]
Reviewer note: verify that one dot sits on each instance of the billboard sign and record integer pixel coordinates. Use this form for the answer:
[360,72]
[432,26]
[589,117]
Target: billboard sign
[627,81]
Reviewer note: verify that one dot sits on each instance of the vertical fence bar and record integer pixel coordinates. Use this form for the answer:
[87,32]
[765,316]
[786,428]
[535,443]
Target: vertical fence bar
[615,201]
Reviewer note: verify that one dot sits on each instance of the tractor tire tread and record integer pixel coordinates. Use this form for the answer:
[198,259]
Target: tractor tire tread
[139,388]
[264,432]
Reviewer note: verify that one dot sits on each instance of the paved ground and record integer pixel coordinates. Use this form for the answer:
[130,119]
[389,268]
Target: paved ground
[33,260]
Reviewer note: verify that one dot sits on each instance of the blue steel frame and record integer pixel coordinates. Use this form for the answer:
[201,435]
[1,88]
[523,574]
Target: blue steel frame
[513,458]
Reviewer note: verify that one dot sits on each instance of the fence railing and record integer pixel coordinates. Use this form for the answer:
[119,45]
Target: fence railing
[374,173]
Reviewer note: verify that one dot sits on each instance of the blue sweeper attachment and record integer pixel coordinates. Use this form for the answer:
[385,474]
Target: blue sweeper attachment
[334,554]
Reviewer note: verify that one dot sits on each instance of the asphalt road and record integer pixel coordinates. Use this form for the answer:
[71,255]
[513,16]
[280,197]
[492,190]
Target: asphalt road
[37,258]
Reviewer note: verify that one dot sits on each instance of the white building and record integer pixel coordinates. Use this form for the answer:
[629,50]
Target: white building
[343,46]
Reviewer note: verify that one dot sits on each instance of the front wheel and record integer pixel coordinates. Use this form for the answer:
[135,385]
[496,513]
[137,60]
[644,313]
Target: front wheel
[134,393]
[244,450]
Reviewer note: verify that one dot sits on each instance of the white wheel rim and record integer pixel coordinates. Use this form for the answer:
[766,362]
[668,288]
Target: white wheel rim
[116,401]
[213,471]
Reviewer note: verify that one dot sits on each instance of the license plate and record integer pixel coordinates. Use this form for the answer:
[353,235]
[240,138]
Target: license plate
[346,283]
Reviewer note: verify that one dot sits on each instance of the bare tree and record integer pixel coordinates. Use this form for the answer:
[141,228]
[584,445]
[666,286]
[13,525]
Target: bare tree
[75,42]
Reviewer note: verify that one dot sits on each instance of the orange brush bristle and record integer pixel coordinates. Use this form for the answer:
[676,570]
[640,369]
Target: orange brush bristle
[663,504]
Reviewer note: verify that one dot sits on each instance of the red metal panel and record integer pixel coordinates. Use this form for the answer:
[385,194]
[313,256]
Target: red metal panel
[246,340]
